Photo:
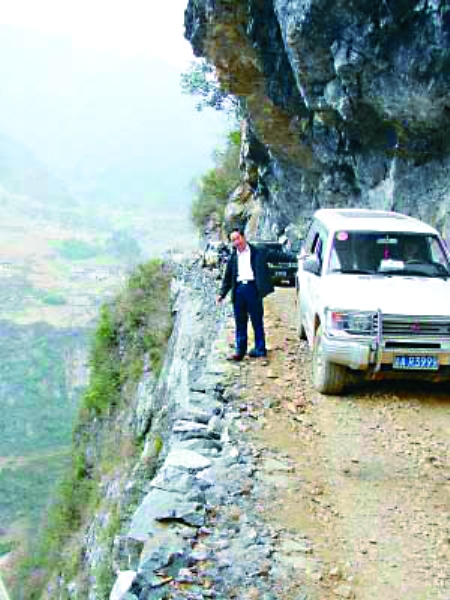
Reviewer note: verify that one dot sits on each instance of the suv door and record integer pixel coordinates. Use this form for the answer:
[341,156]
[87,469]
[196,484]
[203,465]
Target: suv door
[309,282]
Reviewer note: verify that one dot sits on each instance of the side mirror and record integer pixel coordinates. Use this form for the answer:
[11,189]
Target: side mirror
[312,265]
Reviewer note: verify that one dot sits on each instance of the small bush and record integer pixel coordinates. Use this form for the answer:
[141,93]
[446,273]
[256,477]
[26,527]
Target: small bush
[216,185]
[104,384]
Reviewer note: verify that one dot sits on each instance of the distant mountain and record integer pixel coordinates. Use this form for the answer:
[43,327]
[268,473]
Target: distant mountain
[21,173]
[112,129]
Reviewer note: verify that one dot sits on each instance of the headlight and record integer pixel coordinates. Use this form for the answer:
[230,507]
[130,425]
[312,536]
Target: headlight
[350,322]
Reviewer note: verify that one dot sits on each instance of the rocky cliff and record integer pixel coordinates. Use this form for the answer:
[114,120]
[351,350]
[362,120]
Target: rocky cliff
[346,103]
[174,514]
[154,459]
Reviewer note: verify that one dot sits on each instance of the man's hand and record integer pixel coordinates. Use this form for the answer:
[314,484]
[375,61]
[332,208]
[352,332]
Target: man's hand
[219,300]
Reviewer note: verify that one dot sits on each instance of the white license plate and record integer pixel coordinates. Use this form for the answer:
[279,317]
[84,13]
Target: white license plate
[416,363]
[280,274]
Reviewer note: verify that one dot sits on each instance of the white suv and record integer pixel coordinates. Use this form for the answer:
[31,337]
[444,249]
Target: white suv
[373,297]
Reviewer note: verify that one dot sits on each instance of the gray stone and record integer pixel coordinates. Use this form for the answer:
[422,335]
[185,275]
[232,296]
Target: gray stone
[159,505]
[204,446]
[159,550]
[189,427]
[122,585]
[194,414]
[127,553]
[187,459]
[171,479]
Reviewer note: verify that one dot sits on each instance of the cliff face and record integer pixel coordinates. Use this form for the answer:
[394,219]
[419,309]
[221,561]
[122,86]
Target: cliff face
[347,102]
[160,443]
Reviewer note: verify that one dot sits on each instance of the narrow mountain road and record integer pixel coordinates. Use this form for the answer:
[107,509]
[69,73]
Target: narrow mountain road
[358,486]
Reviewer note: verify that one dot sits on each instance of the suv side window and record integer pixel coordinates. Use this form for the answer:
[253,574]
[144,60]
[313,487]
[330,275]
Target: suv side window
[317,247]
[318,244]
[437,251]
[311,235]
[315,241]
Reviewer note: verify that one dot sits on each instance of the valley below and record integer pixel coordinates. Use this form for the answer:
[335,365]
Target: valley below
[58,265]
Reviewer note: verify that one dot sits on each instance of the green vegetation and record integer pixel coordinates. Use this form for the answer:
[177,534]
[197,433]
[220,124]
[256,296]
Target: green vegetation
[215,186]
[135,328]
[104,387]
[18,293]
[36,394]
[6,547]
[105,574]
[39,473]
[121,244]
[38,399]
[140,319]
[53,299]
[76,249]
[201,80]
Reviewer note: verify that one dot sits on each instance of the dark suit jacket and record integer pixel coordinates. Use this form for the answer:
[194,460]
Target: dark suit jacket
[258,258]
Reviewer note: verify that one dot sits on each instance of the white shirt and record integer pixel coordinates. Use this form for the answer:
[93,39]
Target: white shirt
[245,272]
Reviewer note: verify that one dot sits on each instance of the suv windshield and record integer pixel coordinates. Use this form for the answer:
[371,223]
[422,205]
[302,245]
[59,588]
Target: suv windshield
[388,253]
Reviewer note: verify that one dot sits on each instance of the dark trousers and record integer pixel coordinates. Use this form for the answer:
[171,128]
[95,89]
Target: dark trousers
[247,302]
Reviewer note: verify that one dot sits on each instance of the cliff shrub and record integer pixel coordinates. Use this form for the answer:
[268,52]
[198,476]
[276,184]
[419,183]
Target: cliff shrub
[201,80]
[144,317]
[104,388]
[216,185]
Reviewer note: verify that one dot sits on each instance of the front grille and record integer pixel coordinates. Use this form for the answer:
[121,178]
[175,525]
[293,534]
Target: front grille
[419,345]
[401,326]
[376,324]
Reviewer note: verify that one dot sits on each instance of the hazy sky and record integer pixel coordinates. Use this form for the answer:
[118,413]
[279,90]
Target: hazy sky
[132,28]
[92,88]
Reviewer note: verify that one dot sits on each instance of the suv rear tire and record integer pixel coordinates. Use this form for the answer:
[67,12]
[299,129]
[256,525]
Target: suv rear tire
[328,377]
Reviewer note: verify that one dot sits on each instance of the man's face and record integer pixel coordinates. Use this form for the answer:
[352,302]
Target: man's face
[238,240]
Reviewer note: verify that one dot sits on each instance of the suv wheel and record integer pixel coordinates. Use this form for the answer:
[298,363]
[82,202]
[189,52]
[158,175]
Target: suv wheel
[328,378]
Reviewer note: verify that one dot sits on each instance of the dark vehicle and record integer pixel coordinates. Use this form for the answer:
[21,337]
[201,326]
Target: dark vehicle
[284,270]
[215,254]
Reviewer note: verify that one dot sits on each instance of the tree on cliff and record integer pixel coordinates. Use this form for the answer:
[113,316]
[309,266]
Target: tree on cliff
[201,80]
[214,187]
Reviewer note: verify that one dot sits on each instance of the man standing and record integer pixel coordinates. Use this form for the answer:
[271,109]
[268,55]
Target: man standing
[247,276]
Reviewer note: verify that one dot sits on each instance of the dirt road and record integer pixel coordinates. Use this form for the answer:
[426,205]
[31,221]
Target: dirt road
[366,477]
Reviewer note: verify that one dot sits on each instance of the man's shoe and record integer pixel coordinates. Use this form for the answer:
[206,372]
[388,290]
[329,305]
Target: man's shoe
[235,357]
[257,353]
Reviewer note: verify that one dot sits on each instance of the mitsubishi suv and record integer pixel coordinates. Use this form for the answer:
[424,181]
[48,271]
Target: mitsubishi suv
[373,291]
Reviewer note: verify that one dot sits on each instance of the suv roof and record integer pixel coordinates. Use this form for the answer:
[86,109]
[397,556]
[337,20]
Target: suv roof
[362,219]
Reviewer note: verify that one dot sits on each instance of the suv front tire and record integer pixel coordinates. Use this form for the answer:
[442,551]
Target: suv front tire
[328,377]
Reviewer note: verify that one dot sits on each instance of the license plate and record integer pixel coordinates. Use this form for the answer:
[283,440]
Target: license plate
[280,274]
[420,363]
